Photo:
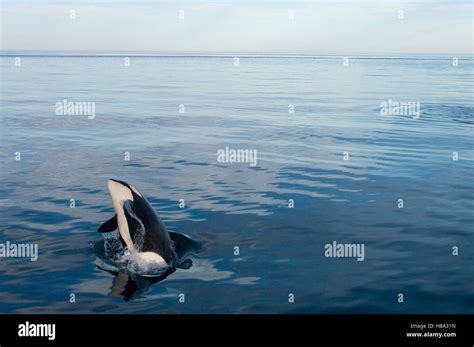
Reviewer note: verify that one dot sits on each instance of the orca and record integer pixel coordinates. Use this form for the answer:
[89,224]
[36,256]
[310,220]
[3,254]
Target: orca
[141,230]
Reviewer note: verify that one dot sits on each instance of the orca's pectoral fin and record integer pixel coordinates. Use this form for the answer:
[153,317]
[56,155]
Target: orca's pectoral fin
[185,265]
[109,226]
[184,244]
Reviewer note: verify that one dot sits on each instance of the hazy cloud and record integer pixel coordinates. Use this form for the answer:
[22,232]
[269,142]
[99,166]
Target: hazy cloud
[240,26]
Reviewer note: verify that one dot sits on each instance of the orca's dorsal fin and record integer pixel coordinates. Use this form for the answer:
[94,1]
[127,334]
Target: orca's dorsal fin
[109,226]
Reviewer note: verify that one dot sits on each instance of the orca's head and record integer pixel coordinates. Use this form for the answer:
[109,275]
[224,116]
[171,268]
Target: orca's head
[122,191]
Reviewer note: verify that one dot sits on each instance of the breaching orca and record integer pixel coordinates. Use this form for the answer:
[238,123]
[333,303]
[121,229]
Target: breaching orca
[141,230]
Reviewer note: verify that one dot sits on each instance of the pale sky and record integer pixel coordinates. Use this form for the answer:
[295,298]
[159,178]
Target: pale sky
[263,26]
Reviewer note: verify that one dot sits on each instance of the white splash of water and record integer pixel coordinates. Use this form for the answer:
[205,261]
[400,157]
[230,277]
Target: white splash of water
[131,261]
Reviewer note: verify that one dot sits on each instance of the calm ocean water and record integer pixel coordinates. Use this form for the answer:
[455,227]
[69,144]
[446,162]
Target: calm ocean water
[300,157]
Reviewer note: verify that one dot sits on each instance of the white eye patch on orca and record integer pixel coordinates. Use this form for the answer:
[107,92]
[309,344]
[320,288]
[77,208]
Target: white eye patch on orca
[136,191]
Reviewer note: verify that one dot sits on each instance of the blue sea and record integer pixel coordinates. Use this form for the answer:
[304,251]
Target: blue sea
[330,168]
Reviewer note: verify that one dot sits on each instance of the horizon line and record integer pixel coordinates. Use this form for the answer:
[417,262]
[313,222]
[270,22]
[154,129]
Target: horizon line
[234,54]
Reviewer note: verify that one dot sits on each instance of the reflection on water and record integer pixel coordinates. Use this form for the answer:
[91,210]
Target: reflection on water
[129,286]
[300,157]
